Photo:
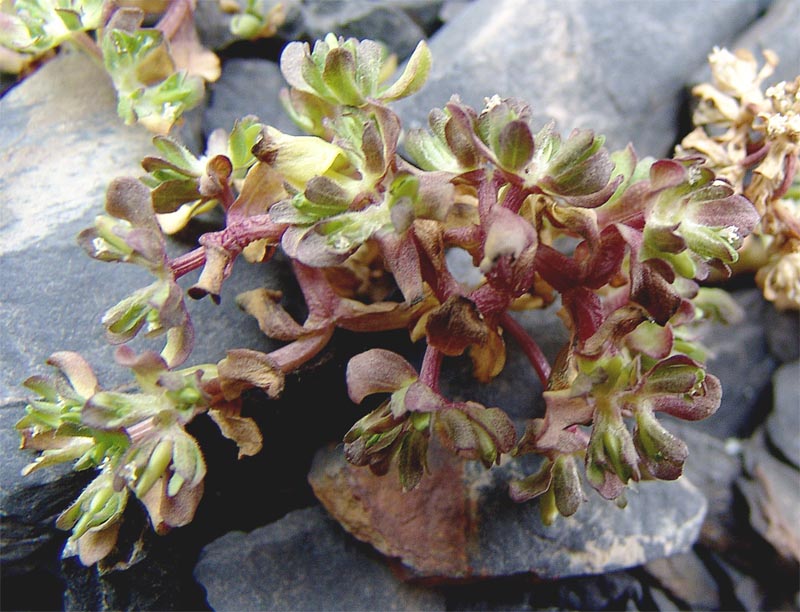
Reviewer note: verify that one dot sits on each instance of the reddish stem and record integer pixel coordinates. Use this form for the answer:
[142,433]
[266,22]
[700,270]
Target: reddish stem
[489,300]
[528,346]
[756,156]
[431,368]
[177,12]
[487,196]
[515,196]
[466,237]
[233,239]
[790,167]
[188,261]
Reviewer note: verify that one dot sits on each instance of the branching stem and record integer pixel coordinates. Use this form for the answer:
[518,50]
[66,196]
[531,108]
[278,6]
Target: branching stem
[528,346]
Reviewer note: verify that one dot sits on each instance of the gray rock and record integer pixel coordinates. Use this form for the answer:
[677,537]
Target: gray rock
[751,595]
[461,523]
[783,334]
[248,87]
[451,8]
[662,601]
[783,424]
[384,21]
[744,366]
[62,144]
[773,494]
[713,466]
[620,590]
[686,578]
[614,66]
[303,562]
[611,591]
[213,25]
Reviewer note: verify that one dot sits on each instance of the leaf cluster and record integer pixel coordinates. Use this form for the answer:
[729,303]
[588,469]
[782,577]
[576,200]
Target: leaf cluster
[367,232]
[159,72]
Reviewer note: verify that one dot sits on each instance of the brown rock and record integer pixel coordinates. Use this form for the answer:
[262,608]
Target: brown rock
[461,523]
[433,543]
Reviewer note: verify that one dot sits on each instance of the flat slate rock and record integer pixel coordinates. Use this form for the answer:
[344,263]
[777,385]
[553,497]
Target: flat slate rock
[304,561]
[460,522]
[686,578]
[742,362]
[617,67]
[62,144]
[783,424]
[783,334]
[713,466]
[384,21]
[248,87]
[773,494]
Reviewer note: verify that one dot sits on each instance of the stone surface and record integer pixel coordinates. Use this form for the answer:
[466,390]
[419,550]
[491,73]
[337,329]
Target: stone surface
[743,364]
[686,578]
[783,424]
[52,185]
[783,334]
[400,24]
[383,21]
[460,522]
[621,590]
[750,595]
[53,172]
[773,495]
[62,145]
[248,87]
[713,467]
[303,562]
[614,66]
[662,601]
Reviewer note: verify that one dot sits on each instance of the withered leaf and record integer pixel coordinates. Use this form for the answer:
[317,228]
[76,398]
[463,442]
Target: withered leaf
[242,430]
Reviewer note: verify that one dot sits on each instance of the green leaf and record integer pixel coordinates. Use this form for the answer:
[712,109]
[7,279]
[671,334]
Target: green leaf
[412,459]
[339,75]
[515,146]
[242,139]
[413,77]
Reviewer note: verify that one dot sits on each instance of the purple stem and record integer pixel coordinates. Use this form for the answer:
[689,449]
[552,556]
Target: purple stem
[233,239]
[188,261]
[173,17]
[431,368]
[789,169]
[528,346]
[515,196]
[756,156]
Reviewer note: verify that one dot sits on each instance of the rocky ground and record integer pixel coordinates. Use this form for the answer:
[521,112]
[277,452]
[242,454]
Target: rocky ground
[727,536]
